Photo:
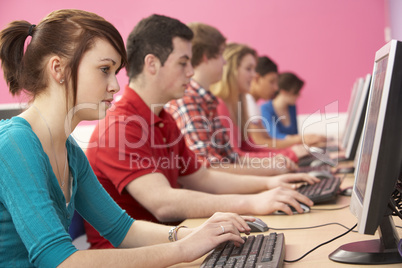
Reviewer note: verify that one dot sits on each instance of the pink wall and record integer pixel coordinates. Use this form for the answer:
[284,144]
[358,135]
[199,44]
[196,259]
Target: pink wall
[328,43]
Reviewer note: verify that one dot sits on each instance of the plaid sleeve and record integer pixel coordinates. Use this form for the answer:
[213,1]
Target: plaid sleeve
[196,128]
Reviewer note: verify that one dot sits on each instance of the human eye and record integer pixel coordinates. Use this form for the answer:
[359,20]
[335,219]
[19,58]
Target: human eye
[105,69]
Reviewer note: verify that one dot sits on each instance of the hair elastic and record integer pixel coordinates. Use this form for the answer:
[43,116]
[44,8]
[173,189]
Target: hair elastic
[31,29]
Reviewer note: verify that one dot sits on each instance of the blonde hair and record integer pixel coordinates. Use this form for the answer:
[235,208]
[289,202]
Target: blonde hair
[233,55]
[227,88]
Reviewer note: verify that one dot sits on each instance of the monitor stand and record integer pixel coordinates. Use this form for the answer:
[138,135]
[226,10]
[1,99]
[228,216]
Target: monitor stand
[378,251]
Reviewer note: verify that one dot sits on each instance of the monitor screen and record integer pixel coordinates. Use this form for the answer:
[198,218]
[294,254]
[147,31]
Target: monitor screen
[356,125]
[351,113]
[379,164]
[370,128]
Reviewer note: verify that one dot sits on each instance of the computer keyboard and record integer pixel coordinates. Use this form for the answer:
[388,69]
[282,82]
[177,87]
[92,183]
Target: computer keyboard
[316,154]
[323,191]
[307,169]
[258,251]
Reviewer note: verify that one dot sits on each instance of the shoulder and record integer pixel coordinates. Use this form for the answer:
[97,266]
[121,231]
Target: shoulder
[17,132]
[222,107]
[267,106]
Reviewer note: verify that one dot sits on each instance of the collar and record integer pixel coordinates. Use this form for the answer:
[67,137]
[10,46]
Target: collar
[132,104]
[206,96]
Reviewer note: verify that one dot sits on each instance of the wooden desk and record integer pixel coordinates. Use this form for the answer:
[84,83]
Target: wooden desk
[298,242]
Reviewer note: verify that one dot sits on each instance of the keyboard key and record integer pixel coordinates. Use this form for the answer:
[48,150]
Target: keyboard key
[257,251]
[326,190]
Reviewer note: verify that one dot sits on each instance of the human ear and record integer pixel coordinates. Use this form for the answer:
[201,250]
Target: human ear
[56,69]
[151,64]
[205,58]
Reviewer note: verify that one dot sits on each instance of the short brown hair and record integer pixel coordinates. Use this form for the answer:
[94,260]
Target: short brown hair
[289,82]
[153,35]
[207,40]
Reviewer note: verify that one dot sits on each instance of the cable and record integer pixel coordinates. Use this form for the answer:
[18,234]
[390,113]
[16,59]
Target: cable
[322,244]
[310,227]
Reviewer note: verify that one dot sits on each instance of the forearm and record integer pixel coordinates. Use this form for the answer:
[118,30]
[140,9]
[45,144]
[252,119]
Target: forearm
[247,169]
[217,182]
[180,204]
[265,139]
[145,233]
[162,255]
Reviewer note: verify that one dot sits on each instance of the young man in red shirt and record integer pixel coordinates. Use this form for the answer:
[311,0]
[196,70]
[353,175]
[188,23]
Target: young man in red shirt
[140,157]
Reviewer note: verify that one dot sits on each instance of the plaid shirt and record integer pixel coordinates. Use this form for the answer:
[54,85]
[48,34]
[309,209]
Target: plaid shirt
[196,115]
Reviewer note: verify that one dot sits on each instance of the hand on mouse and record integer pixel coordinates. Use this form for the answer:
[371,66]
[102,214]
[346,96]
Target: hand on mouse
[314,140]
[291,180]
[217,229]
[276,199]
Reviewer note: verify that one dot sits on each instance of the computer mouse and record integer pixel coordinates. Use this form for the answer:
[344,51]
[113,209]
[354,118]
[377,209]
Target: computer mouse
[317,163]
[305,208]
[320,174]
[345,170]
[305,161]
[318,150]
[347,191]
[257,226]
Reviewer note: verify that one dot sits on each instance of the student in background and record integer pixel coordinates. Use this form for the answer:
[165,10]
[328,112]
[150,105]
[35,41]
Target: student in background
[141,158]
[264,86]
[280,115]
[69,68]
[196,112]
[238,73]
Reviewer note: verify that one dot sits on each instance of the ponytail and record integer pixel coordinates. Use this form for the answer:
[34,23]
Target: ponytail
[67,33]
[12,41]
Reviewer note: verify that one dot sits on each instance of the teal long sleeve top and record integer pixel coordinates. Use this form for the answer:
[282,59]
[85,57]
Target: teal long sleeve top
[34,218]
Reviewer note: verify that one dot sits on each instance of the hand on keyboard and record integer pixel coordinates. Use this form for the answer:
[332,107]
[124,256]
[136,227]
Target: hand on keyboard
[258,251]
[220,228]
[290,180]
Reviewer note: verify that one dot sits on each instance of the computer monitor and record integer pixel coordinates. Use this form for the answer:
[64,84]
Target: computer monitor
[379,165]
[352,108]
[9,110]
[356,124]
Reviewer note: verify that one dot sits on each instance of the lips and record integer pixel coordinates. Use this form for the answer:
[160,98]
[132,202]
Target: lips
[108,102]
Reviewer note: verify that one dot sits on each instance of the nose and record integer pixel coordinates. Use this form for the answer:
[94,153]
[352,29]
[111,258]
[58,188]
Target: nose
[113,86]
[253,73]
[190,71]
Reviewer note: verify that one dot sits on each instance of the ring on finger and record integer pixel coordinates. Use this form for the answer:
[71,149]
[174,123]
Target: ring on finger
[223,229]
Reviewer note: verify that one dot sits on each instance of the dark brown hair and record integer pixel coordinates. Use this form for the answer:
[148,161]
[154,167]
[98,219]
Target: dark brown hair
[153,35]
[289,82]
[207,41]
[68,33]
[265,65]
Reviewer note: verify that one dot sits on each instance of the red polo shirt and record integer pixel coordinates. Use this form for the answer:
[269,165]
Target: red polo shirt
[131,142]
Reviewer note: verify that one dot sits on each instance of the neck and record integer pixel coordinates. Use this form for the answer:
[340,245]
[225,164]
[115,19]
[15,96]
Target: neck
[152,97]
[201,79]
[46,116]
[254,94]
